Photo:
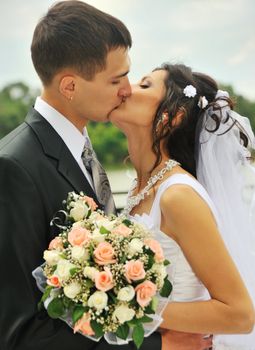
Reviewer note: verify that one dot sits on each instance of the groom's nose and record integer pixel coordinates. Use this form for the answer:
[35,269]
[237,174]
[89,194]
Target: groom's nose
[125,90]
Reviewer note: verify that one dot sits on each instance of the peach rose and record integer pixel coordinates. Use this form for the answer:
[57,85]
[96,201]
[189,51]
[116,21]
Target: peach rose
[144,293]
[156,248]
[90,201]
[122,230]
[83,325]
[104,280]
[78,236]
[56,244]
[134,270]
[104,254]
[53,281]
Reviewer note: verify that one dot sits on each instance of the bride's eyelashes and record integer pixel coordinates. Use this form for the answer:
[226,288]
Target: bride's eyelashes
[144,85]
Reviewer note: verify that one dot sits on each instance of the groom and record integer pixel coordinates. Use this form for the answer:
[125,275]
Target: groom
[81,57]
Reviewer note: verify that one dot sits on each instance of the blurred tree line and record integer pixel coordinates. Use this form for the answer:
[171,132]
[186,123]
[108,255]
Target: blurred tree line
[108,141]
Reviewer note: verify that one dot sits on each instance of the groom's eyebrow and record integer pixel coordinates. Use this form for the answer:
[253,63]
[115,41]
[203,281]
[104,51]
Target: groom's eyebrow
[121,75]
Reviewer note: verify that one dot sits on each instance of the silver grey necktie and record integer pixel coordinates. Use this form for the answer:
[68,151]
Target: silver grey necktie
[100,179]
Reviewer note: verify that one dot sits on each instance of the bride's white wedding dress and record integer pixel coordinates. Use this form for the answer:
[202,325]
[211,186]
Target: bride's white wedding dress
[186,285]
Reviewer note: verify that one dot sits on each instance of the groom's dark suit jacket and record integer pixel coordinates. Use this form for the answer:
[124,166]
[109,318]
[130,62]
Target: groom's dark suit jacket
[37,171]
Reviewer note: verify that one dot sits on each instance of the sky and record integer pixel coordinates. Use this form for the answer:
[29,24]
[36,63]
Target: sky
[216,37]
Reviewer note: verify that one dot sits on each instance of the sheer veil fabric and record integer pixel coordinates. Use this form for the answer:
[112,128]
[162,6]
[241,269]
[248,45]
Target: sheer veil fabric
[224,170]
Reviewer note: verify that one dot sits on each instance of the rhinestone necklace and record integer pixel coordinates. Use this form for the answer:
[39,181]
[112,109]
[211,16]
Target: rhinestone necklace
[133,201]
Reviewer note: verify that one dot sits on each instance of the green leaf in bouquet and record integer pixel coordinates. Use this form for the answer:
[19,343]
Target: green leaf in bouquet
[145,319]
[138,335]
[68,303]
[88,283]
[136,283]
[54,267]
[78,312]
[151,261]
[44,297]
[127,222]
[166,289]
[97,328]
[154,303]
[74,270]
[56,308]
[103,230]
[149,252]
[46,293]
[113,297]
[123,259]
[166,262]
[63,255]
[150,308]
[122,331]
[133,322]
[91,249]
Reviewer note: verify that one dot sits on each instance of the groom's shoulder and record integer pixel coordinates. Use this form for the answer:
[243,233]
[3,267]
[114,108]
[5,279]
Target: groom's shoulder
[18,141]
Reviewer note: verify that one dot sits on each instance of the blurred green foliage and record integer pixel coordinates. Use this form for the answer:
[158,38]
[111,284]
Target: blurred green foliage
[109,143]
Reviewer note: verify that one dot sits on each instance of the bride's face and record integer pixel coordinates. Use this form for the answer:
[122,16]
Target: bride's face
[140,108]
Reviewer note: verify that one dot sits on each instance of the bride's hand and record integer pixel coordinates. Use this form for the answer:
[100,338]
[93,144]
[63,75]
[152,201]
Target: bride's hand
[173,340]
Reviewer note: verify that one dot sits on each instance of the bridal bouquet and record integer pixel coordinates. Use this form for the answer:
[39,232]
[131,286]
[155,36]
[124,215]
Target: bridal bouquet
[103,275]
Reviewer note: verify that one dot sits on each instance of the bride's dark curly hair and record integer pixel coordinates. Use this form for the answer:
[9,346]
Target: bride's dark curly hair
[179,138]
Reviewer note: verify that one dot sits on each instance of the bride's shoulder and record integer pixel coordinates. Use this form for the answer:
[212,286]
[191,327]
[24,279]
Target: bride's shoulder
[176,195]
[181,200]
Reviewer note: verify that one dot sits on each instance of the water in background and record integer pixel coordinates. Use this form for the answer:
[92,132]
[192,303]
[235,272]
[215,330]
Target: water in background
[120,181]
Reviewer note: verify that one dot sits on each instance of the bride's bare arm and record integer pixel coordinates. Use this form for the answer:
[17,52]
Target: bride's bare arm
[188,219]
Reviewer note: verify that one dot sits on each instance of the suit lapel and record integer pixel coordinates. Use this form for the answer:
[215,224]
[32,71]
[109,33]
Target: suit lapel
[54,147]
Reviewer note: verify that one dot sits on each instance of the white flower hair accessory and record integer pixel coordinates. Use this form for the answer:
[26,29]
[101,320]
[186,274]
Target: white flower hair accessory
[203,102]
[190,91]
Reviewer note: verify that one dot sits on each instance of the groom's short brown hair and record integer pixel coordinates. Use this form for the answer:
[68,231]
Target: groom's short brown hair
[76,35]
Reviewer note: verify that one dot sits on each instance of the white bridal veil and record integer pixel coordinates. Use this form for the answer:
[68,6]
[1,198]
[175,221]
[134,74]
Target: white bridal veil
[224,169]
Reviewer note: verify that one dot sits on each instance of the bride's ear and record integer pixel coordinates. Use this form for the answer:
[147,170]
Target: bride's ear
[67,86]
[177,119]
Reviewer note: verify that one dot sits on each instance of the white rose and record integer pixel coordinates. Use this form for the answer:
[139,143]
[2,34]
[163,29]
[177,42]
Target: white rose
[90,272]
[98,300]
[106,223]
[79,253]
[79,211]
[160,271]
[78,224]
[135,246]
[126,293]
[51,257]
[97,236]
[123,313]
[63,269]
[72,290]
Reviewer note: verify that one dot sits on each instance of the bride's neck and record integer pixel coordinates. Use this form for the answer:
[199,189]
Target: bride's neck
[143,158]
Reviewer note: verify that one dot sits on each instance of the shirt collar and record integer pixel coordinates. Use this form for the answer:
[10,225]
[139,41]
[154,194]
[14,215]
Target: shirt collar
[72,137]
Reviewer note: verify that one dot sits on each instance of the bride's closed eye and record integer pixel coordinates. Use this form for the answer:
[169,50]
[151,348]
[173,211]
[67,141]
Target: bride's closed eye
[144,83]
[144,86]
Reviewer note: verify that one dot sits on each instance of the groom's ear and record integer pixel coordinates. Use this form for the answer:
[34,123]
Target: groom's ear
[67,86]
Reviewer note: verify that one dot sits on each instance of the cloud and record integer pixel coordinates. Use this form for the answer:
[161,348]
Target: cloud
[212,36]
[244,53]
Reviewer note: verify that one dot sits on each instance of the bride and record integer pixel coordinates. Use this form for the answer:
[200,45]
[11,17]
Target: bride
[188,148]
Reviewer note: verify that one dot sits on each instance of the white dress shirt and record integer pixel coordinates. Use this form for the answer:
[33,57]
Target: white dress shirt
[72,137]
